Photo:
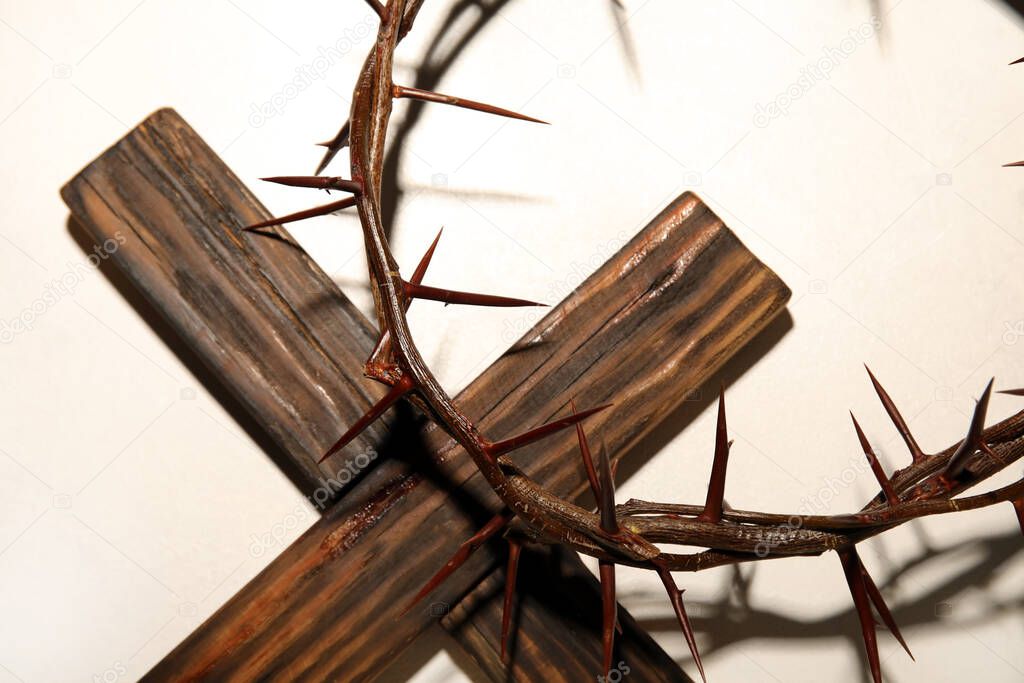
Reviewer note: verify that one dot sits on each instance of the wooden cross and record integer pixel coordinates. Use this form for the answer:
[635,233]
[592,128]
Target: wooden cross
[647,328]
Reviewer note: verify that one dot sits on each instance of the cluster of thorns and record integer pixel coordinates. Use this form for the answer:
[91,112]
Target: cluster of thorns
[619,534]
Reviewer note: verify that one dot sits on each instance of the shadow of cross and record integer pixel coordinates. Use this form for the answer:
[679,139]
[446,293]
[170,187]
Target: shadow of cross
[645,330]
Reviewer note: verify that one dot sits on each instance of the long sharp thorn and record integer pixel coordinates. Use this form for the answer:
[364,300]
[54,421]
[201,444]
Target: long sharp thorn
[861,601]
[421,267]
[334,146]
[676,597]
[1017,61]
[883,610]
[511,571]
[972,441]
[716,485]
[1013,392]
[609,613]
[429,96]
[318,182]
[451,296]
[403,387]
[901,425]
[500,447]
[588,461]
[876,467]
[496,524]
[308,213]
[1018,506]
[383,344]
[606,499]
[1015,164]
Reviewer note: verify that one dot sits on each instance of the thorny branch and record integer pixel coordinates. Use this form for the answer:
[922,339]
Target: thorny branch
[627,534]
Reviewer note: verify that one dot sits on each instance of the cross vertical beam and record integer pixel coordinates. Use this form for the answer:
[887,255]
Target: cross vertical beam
[645,330]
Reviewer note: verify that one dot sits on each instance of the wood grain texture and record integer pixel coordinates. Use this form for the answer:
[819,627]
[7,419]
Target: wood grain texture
[645,330]
[554,587]
[258,311]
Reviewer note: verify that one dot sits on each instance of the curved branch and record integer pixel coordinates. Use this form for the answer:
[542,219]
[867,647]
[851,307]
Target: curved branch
[627,534]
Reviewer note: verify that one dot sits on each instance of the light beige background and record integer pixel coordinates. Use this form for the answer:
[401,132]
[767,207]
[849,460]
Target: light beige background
[132,506]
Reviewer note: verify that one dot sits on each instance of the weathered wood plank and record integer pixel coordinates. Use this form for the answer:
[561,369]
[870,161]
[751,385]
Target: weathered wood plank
[258,311]
[645,330]
[554,587]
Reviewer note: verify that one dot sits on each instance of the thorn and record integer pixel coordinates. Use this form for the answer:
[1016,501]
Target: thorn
[606,500]
[308,213]
[512,569]
[676,597]
[853,570]
[318,182]
[496,524]
[421,267]
[609,612]
[451,296]
[972,441]
[428,96]
[901,426]
[1018,506]
[334,146]
[883,609]
[1014,164]
[1016,61]
[588,461]
[403,387]
[1013,392]
[876,467]
[382,349]
[500,447]
[716,485]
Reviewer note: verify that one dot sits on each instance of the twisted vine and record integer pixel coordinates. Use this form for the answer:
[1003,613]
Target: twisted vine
[627,534]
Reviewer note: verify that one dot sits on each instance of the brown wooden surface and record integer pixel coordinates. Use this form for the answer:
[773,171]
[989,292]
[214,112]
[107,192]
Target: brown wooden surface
[645,331]
[554,588]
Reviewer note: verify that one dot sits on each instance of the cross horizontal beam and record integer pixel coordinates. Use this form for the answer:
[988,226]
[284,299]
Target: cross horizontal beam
[645,331]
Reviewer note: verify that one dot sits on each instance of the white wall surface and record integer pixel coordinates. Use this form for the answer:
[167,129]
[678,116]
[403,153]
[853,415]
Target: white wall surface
[129,499]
